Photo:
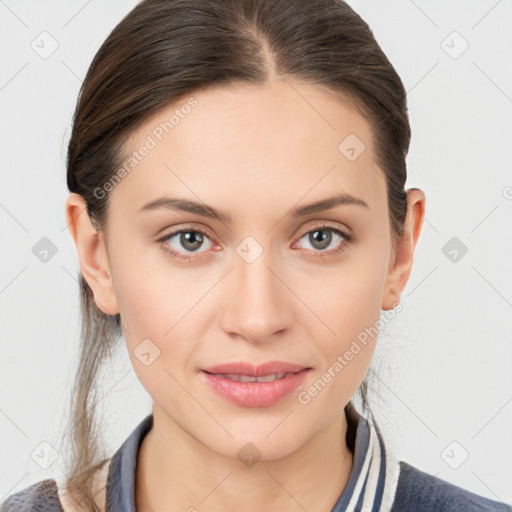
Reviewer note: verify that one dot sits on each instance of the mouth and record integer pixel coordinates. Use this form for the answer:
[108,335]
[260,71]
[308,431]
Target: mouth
[247,385]
[247,369]
[252,378]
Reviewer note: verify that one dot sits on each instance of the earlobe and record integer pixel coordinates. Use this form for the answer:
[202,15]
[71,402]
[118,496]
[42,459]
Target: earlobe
[403,255]
[92,254]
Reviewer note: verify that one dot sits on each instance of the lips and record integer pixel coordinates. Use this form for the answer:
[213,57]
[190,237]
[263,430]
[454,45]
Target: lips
[254,394]
[250,370]
[251,378]
[248,385]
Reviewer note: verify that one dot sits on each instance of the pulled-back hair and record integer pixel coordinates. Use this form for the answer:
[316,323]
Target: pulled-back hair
[164,51]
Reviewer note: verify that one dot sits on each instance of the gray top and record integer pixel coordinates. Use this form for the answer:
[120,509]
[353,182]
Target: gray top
[377,481]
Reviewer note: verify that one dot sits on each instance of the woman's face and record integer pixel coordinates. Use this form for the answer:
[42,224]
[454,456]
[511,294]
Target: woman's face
[266,285]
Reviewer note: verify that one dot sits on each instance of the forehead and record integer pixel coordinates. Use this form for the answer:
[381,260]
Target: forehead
[252,148]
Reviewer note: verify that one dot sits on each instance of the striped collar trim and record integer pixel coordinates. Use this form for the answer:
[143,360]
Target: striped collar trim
[371,485]
[373,479]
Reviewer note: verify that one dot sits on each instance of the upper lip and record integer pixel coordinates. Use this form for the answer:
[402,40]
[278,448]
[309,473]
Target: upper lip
[246,368]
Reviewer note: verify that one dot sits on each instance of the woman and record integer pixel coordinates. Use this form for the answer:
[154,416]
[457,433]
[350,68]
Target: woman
[237,172]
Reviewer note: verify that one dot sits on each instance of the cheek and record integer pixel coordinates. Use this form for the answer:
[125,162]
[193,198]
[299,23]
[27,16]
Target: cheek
[345,345]
[349,298]
[347,301]
[158,331]
[158,308]
[145,288]
[354,325]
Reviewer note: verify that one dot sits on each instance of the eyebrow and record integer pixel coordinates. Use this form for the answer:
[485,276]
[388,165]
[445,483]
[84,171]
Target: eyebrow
[205,210]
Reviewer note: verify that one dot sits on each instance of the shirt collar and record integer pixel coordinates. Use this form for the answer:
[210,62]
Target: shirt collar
[374,475]
[120,494]
[370,487]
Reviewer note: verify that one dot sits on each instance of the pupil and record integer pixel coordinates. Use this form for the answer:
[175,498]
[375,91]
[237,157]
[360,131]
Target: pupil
[324,240]
[191,237]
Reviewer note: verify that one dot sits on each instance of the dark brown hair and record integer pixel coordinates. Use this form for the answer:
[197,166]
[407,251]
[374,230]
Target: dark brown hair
[165,50]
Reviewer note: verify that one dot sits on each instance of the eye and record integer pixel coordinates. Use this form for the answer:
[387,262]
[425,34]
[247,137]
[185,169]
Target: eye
[323,236]
[319,238]
[188,239]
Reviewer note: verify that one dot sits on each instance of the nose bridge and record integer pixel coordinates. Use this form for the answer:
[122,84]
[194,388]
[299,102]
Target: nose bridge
[258,302]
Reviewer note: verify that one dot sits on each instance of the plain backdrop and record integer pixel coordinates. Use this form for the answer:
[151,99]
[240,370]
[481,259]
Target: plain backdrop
[444,364]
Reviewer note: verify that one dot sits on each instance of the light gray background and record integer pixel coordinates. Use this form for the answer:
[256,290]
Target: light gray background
[444,364]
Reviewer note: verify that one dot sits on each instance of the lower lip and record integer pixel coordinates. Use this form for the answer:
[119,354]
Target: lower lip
[255,394]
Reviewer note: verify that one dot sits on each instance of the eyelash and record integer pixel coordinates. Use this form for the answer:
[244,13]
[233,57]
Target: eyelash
[317,254]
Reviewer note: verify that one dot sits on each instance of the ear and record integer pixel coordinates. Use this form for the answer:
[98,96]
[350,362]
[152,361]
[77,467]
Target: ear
[400,264]
[92,254]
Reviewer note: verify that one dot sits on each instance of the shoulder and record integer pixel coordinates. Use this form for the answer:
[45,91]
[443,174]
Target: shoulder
[41,496]
[422,492]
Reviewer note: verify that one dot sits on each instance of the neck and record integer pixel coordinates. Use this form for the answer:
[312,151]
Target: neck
[176,472]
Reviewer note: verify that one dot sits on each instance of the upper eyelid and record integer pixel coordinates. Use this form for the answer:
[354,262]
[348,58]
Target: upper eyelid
[325,225]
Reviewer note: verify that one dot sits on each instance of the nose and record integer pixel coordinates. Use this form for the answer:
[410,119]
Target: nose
[258,304]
